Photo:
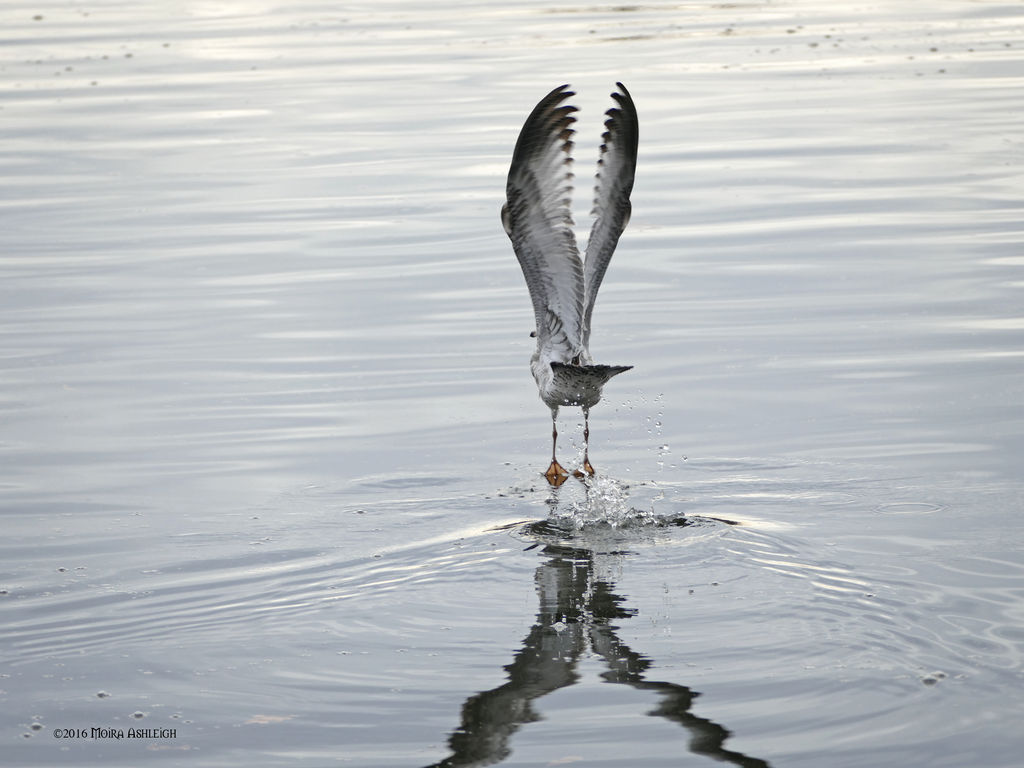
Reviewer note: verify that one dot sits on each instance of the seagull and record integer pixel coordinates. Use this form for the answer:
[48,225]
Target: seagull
[563,286]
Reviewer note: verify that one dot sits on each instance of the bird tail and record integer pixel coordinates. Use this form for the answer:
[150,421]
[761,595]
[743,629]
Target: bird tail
[597,373]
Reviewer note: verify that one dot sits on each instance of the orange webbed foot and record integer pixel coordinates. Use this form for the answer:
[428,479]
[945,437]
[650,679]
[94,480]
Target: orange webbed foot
[556,474]
[588,469]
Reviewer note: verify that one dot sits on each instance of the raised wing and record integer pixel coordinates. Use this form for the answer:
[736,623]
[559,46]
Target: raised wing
[616,168]
[538,219]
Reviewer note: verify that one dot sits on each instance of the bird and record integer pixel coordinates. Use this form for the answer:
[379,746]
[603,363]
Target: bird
[537,218]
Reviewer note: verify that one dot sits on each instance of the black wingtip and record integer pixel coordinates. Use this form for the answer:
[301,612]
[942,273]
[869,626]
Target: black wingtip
[561,92]
[623,99]
[551,117]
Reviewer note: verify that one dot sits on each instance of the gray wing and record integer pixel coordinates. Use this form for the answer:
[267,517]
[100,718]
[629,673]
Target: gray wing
[616,168]
[538,219]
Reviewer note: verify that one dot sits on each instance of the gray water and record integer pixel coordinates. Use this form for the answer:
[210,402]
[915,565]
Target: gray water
[270,452]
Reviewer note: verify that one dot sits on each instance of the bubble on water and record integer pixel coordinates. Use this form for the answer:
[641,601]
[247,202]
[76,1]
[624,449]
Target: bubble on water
[933,677]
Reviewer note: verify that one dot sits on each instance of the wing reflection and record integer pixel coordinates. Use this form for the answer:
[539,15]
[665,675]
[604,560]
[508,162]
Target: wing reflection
[577,612]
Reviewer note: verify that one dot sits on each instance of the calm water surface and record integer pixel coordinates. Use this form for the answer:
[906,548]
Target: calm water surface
[270,449]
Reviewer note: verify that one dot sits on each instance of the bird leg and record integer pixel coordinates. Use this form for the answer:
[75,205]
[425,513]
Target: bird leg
[587,466]
[556,474]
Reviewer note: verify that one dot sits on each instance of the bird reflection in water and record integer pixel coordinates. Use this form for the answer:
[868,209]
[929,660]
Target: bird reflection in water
[578,612]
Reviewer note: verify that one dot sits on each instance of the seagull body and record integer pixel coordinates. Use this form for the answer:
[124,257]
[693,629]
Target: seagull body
[563,286]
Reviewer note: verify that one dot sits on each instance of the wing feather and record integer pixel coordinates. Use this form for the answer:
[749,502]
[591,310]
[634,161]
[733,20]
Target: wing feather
[537,217]
[616,169]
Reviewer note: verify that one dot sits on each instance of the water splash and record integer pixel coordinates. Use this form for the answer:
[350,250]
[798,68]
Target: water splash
[602,501]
